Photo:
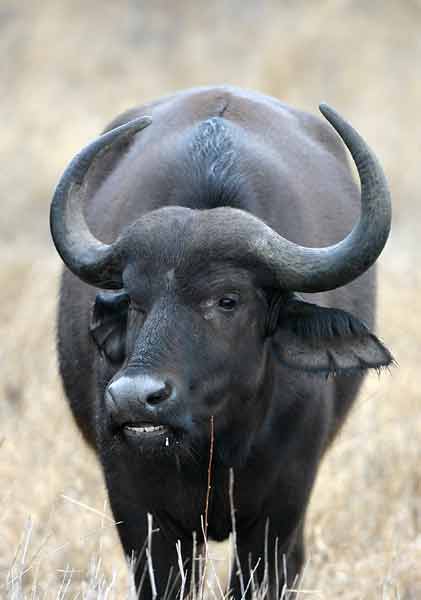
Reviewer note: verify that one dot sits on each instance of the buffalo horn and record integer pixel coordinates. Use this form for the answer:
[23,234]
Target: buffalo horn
[92,261]
[306,269]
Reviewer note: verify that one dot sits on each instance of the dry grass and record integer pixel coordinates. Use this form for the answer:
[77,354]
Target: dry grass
[67,68]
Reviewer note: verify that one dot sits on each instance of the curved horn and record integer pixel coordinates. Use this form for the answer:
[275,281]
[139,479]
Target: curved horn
[320,269]
[92,261]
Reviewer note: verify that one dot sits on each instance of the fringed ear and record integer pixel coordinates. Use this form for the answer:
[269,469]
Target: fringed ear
[328,341]
[109,323]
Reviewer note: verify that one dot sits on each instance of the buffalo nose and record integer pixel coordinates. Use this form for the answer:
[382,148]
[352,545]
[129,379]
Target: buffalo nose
[126,393]
[161,392]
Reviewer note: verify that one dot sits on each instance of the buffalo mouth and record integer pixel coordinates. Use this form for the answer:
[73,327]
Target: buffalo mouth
[145,434]
[144,429]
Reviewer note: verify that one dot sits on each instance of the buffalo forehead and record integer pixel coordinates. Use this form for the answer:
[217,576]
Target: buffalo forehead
[180,246]
[171,254]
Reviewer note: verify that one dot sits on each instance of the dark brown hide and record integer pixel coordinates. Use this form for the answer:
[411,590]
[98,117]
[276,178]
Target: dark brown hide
[200,329]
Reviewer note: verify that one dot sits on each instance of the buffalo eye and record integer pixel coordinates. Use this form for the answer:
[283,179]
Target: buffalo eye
[228,302]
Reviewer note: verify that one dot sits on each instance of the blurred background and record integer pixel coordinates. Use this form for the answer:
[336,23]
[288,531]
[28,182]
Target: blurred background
[69,67]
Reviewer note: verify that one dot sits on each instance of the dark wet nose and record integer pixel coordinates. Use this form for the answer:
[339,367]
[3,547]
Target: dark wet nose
[128,397]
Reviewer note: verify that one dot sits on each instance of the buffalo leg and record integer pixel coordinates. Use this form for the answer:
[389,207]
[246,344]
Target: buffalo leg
[160,572]
[261,550]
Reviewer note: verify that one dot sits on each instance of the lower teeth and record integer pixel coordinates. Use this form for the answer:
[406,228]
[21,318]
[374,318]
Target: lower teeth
[146,429]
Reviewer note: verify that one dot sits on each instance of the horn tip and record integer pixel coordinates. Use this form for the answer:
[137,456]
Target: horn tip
[326,109]
[129,128]
[143,121]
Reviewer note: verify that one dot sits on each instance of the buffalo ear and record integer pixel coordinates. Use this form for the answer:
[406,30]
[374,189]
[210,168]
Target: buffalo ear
[328,341]
[109,323]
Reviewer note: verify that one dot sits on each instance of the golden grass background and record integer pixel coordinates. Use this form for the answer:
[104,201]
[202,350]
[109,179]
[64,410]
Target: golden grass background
[69,67]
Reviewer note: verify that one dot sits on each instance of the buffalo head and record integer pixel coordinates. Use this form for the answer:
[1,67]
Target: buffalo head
[198,306]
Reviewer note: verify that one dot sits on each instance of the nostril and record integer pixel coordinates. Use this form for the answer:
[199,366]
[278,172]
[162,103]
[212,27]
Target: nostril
[111,407]
[160,395]
[110,400]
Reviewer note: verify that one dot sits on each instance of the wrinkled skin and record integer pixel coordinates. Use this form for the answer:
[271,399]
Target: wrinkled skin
[220,337]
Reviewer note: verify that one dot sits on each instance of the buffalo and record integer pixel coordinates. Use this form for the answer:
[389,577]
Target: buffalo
[215,319]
